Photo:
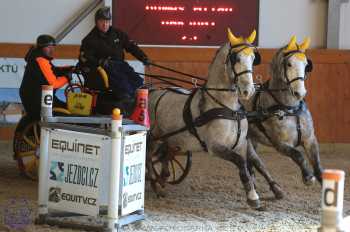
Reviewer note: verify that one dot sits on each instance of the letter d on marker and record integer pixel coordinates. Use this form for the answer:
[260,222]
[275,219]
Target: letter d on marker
[332,201]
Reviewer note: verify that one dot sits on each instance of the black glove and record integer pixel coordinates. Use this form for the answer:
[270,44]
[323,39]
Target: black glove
[146,62]
[104,62]
[69,76]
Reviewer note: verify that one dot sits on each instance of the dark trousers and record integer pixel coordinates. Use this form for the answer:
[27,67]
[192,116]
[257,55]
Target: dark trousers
[122,79]
[32,108]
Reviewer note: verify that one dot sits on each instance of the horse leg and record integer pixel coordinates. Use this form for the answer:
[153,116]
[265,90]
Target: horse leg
[156,184]
[164,158]
[240,161]
[298,158]
[250,167]
[256,162]
[250,163]
[312,151]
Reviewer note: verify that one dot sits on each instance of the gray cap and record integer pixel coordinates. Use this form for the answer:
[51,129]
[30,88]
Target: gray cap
[103,13]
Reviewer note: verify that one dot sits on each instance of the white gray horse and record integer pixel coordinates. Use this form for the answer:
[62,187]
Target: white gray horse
[210,118]
[280,117]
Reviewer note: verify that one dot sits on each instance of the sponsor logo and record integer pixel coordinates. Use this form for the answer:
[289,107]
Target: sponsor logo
[57,171]
[131,148]
[8,68]
[74,146]
[81,175]
[129,199]
[132,174]
[55,195]
[17,213]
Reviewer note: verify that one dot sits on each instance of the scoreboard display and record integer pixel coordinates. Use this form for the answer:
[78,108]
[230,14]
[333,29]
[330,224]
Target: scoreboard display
[185,22]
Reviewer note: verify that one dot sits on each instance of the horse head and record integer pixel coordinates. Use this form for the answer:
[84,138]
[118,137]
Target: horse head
[241,58]
[291,66]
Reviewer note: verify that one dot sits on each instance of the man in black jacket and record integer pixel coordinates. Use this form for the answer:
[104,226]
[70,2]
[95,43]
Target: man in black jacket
[104,46]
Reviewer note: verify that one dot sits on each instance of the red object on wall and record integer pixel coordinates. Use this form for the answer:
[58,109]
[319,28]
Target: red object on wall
[166,22]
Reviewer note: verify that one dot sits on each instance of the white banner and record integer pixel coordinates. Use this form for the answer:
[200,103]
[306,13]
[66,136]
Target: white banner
[133,187]
[11,72]
[75,170]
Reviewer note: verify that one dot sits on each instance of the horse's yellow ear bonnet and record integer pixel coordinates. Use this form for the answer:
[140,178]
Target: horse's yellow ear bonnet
[240,40]
[293,46]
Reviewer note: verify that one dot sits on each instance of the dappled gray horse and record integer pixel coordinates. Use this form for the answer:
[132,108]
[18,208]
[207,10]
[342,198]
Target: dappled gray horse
[280,117]
[210,118]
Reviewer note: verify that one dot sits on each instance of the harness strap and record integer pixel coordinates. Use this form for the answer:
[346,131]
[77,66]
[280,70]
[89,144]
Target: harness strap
[188,119]
[299,131]
[168,135]
[219,113]
[238,134]
[216,100]
[259,115]
[204,118]
[157,104]
[263,130]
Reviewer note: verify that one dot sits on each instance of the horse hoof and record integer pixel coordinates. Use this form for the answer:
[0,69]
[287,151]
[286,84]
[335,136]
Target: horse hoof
[158,189]
[309,180]
[255,204]
[277,191]
[161,193]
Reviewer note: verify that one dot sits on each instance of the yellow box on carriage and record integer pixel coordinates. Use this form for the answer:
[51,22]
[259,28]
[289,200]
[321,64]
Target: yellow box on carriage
[79,103]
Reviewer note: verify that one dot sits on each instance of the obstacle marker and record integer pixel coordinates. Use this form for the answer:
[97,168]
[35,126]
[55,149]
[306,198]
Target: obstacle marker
[140,114]
[332,201]
[46,100]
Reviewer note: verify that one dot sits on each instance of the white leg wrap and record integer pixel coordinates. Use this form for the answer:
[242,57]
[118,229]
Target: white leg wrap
[252,195]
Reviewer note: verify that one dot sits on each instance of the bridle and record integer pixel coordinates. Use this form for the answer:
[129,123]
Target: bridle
[308,67]
[232,59]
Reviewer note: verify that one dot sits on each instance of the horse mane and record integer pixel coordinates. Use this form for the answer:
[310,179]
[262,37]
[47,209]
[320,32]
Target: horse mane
[277,70]
[220,56]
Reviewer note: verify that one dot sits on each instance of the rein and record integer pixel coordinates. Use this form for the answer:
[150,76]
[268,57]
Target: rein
[178,72]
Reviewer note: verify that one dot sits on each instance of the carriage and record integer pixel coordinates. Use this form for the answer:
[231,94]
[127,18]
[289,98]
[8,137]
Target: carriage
[88,95]
[210,117]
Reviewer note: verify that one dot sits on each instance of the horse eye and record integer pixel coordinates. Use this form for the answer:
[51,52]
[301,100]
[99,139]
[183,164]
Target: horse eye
[289,64]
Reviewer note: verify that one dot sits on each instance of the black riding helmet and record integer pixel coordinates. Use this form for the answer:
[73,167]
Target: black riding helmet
[103,13]
[45,40]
